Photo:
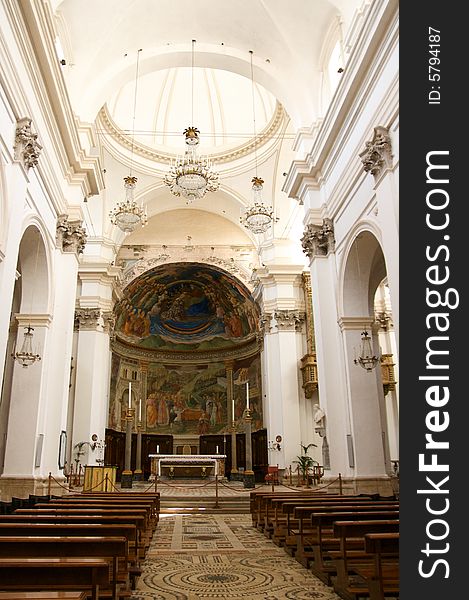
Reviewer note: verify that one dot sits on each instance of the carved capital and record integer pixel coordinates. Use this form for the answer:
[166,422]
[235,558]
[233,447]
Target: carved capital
[109,320]
[26,147]
[318,240]
[289,320]
[377,155]
[70,235]
[264,323]
[87,319]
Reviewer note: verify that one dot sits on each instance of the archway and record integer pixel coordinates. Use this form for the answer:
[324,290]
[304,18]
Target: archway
[364,304]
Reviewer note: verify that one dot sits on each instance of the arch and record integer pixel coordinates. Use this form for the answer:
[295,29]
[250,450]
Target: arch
[33,266]
[363,269]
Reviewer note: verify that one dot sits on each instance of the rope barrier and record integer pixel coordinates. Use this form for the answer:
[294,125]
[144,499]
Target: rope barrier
[51,477]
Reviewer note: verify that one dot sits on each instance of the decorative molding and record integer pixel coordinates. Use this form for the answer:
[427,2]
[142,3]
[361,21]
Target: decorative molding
[387,373]
[264,323]
[109,320]
[246,350]
[87,319]
[26,147]
[309,373]
[318,240]
[70,235]
[159,156]
[289,320]
[377,156]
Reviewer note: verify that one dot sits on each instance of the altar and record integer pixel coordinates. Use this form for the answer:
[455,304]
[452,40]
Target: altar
[187,465]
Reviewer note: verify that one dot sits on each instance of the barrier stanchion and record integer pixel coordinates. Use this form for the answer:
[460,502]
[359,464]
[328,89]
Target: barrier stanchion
[49,484]
[216,491]
[340,484]
[291,477]
[156,482]
[106,482]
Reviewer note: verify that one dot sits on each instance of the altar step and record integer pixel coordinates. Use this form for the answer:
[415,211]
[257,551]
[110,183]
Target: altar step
[204,504]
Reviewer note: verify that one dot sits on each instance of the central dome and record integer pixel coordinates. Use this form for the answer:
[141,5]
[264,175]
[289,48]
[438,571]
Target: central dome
[222,109]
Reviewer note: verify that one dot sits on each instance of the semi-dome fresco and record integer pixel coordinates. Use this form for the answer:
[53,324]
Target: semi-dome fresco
[186,306]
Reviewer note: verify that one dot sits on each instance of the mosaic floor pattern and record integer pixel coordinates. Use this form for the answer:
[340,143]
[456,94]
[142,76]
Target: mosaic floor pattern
[222,556]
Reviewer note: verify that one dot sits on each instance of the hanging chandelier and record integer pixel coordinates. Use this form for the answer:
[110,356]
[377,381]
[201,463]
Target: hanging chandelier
[366,359]
[26,356]
[128,215]
[191,175]
[258,217]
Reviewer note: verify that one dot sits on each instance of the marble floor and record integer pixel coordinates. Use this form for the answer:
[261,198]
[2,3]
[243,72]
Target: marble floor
[195,556]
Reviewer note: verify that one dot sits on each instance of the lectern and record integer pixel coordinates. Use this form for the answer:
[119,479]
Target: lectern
[99,478]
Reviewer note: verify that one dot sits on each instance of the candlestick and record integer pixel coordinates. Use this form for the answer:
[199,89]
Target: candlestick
[130,394]
[140,409]
[247,394]
[217,450]
[232,409]
[157,449]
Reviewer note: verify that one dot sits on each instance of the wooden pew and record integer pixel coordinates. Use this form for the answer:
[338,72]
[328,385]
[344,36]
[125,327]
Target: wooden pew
[126,530]
[286,517]
[58,519]
[382,576]
[23,574]
[47,595]
[98,508]
[116,548]
[350,555]
[322,542]
[147,503]
[120,497]
[145,527]
[298,537]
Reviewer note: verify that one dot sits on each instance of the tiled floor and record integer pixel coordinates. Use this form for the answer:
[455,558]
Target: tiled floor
[213,556]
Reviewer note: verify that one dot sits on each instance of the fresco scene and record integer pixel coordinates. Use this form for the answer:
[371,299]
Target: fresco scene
[186,306]
[187,399]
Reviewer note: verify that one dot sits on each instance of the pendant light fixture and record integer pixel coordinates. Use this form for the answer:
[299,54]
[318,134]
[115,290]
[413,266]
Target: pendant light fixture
[191,175]
[128,215]
[259,217]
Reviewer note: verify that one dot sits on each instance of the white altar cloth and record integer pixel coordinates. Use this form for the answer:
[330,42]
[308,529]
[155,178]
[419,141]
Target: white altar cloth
[187,460]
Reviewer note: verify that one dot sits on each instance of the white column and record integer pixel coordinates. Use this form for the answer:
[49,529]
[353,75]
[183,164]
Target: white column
[283,320]
[329,351]
[54,417]
[91,379]
[366,405]
[24,446]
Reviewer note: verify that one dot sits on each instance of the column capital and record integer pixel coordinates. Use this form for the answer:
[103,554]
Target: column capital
[26,147]
[87,319]
[318,240]
[377,155]
[289,320]
[70,235]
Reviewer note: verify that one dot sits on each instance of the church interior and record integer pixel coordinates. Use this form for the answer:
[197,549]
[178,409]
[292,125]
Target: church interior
[199,265]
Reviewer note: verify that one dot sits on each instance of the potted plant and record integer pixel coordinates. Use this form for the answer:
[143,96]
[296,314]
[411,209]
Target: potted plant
[305,462]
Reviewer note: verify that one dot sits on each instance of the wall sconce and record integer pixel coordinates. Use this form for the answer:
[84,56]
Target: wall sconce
[275,445]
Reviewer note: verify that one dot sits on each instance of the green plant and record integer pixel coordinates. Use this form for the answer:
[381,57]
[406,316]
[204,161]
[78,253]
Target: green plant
[305,462]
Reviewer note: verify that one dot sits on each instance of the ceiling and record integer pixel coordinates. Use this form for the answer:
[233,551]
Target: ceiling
[287,44]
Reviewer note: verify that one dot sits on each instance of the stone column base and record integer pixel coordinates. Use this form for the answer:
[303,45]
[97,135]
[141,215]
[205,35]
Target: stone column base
[21,487]
[384,485]
[248,479]
[236,476]
[138,475]
[126,479]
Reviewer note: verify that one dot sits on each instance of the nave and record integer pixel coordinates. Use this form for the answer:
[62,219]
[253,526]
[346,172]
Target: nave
[196,556]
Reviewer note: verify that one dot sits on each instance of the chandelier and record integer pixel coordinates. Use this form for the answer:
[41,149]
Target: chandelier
[366,359]
[258,217]
[26,356]
[128,215]
[191,175]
